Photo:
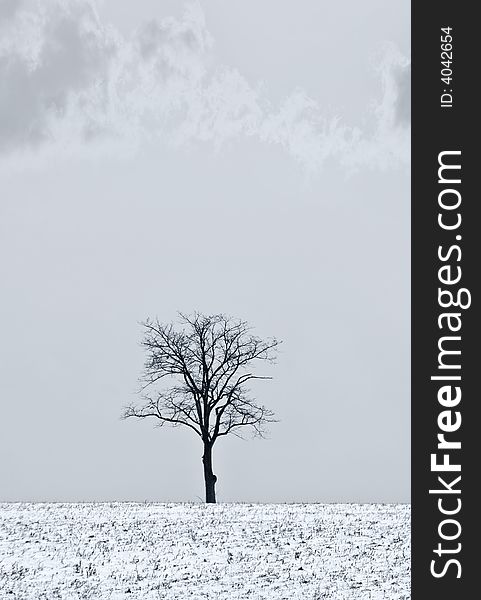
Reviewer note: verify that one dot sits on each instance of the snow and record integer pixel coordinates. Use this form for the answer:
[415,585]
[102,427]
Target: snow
[127,551]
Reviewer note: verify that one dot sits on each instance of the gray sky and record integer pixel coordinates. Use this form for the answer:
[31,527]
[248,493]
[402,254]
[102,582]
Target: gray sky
[141,142]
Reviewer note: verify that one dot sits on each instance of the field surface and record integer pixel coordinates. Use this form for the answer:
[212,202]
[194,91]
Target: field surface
[128,551]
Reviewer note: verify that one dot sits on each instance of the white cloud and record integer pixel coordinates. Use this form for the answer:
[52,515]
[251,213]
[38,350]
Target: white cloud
[389,141]
[70,82]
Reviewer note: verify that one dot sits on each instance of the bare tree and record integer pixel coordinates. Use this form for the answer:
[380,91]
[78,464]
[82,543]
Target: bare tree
[197,376]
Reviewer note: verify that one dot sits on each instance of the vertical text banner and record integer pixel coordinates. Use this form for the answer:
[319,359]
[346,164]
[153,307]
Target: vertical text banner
[446,257]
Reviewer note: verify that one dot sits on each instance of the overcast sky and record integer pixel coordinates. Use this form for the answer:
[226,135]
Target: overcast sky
[250,158]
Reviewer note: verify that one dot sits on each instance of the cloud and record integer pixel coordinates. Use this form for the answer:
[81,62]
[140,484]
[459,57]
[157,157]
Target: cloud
[50,65]
[402,102]
[70,82]
[388,142]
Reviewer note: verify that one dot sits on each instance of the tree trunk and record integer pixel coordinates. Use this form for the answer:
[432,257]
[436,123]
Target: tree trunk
[209,476]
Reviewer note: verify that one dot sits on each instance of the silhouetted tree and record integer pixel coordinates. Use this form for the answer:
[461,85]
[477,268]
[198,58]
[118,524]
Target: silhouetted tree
[200,373]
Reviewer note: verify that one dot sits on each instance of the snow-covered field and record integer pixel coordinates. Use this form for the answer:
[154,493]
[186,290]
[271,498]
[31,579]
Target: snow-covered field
[193,551]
